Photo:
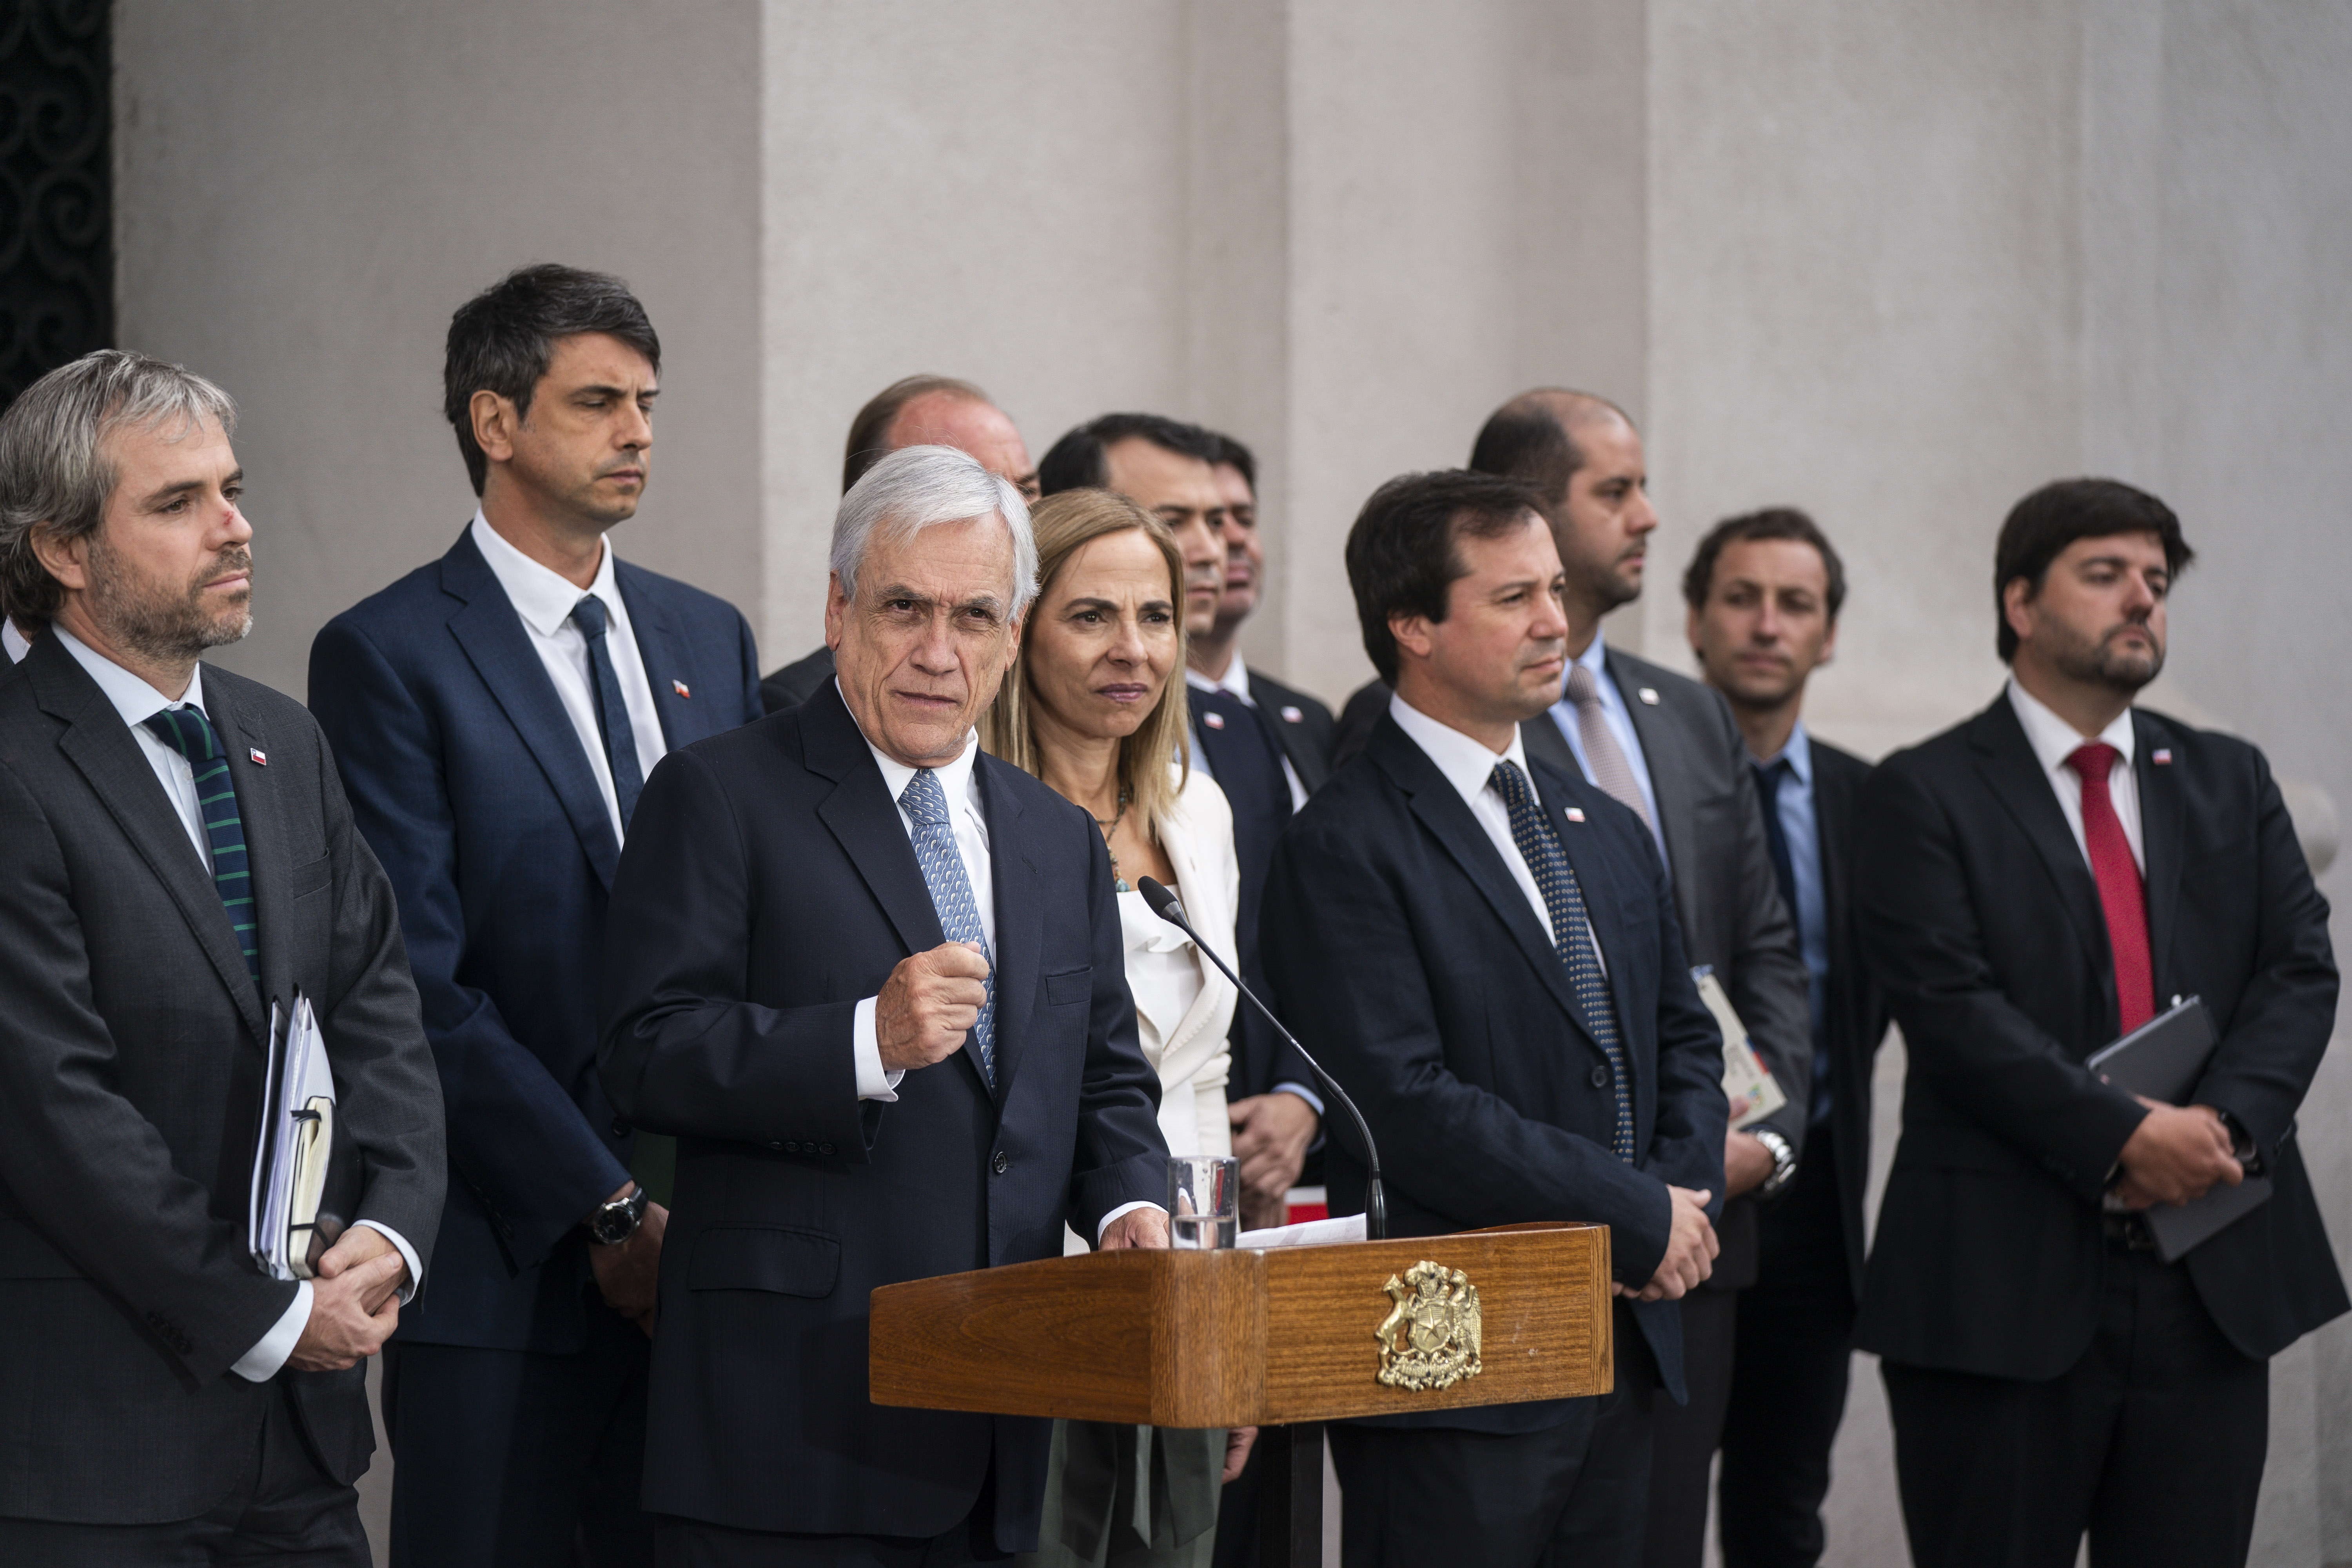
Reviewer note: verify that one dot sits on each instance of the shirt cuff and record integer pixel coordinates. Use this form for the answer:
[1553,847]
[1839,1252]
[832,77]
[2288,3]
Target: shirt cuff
[407,1255]
[262,1362]
[1123,1208]
[1303,1093]
[866,1047]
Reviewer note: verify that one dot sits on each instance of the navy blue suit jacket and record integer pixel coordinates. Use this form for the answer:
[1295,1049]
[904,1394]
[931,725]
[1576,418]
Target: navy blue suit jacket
[469,782]
[1407,959]
[769,887]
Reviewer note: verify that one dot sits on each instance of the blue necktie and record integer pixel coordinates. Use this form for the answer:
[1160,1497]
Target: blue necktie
[926,804]
[1776,837]
[188,731]
[1572,937]
[612,712]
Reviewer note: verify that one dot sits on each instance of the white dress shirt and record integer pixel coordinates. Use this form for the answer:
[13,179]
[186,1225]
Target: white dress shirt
[14,642]
[2053,740]
[1236,681]
[1469,766]
[137,702]
[1620,724]
[544,599]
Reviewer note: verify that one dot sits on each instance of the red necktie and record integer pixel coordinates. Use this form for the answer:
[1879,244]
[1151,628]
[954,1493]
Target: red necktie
[2121,894]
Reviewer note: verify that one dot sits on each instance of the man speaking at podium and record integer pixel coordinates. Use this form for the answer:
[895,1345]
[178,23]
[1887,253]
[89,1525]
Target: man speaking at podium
[874,982]
[1484,952]
[2031,884]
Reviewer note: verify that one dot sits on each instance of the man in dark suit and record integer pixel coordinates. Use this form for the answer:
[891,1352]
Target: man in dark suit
[2033,883]
[1483,948]
[1763,592]
[496,713]
[1665,747]
[873,980]
[912,411]
[176,858]
[1168,468]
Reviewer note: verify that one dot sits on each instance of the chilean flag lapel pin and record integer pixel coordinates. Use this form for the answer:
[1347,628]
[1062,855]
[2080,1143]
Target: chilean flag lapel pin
[2161,756]
[1575,814]
[680,686]
[260,758]
[1213,720]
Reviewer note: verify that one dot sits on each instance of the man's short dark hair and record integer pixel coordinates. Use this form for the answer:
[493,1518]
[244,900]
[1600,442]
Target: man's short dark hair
[871,428]
[2041,527]
[1080,460]
[1771,522]
[1233,455]
[1404,553]
[503,338]
[1529,440]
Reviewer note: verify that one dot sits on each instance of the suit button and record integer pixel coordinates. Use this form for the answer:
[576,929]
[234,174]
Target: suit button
[792,1146]
[1600,1078]
[1001,1163]
[620,1128]
[779,1148]
[824,1147]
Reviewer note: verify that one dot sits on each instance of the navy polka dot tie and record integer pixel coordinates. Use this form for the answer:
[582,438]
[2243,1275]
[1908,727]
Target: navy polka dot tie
[1571,936]
[926,805]
[188,731]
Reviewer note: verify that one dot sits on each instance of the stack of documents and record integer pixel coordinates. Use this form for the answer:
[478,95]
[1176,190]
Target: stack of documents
[1748,1083]
[287,1228]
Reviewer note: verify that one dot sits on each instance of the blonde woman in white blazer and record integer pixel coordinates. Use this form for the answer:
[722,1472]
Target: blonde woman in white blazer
[1094,706]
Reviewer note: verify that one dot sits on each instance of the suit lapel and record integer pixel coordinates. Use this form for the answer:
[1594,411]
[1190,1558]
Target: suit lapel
[1440,810]
[498,644]
[2016,781]
[102,748]
[2162,820]
[1670,773]
[865,820]
[261,803]
[1020,920]
[664,657]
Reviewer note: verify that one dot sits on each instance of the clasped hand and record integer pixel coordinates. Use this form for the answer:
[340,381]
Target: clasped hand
[354,1302]
[928,1005]
[1691,1246]
[2176,1155]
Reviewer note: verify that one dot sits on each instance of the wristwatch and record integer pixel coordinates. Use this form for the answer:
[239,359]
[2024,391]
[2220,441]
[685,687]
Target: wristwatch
[1784,1161]
[615,1222]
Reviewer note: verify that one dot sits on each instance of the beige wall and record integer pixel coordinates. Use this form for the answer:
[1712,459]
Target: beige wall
[304,194]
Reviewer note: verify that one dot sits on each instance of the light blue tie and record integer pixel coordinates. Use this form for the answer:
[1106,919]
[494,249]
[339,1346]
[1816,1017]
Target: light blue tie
[926,805]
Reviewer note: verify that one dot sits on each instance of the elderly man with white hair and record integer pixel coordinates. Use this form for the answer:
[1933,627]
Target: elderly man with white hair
[873,980]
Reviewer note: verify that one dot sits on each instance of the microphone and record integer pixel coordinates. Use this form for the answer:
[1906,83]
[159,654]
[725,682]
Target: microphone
[1168,907]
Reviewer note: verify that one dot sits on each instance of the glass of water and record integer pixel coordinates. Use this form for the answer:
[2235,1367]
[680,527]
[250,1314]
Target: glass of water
[1204,1201]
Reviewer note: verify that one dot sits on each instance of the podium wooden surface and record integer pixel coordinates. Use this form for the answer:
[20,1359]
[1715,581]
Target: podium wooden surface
[1242,1337]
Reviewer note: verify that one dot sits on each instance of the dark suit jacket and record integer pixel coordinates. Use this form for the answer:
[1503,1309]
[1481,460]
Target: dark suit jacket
[1411,964]
[1726,892]
[767,888]
[1856,1017]
[1983,920]
[470,784]
[1305,738]
[796,682]
[131,1090]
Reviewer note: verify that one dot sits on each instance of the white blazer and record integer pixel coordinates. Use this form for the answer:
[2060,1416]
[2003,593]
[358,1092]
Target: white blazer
[1191,1053]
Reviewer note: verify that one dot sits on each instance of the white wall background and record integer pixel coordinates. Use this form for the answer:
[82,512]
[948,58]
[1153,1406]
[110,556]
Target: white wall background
[1896,265]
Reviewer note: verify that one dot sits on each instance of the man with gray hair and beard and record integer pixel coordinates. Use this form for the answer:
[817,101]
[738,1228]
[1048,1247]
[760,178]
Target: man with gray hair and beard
[874,982]
[177,861]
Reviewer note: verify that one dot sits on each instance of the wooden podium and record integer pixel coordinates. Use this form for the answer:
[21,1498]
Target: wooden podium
[1284,1339]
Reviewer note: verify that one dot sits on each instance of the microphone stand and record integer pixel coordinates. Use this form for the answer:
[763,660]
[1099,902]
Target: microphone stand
[1168,907]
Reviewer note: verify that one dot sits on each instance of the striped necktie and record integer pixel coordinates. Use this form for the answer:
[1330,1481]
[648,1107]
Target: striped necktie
[1571,934]
[933,831]
[188,731]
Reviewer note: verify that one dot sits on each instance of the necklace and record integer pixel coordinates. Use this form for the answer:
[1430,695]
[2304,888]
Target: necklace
[1117,881]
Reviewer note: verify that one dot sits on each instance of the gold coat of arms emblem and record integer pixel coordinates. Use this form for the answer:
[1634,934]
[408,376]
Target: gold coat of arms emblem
[1428,1341]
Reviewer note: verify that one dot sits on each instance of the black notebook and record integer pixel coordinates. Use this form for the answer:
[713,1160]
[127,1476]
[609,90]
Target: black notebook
[2163,1059]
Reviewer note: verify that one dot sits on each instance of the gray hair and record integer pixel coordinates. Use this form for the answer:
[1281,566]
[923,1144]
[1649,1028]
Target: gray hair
[915,488]
[53,473]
